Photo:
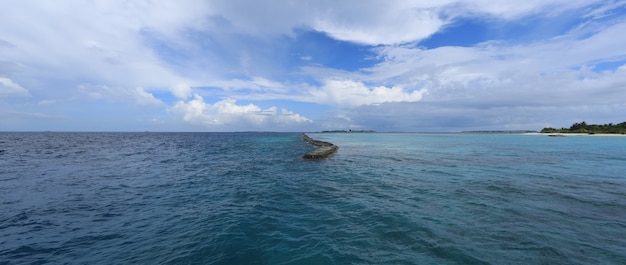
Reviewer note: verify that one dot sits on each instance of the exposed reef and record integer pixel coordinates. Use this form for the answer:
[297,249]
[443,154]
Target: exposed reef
[325,149]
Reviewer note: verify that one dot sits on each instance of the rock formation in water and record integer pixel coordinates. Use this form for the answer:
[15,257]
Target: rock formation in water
[325,149]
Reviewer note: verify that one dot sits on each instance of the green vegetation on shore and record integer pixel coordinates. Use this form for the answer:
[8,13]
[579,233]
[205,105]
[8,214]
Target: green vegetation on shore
[583,127]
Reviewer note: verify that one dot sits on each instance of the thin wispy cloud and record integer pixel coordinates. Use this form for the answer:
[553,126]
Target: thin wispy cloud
[285,65]
[10,88]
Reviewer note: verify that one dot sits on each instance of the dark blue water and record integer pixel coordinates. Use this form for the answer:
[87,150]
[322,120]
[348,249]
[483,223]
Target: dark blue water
[248,198]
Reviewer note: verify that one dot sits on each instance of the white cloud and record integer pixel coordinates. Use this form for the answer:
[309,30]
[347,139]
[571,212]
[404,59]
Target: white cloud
[492,68]
[369,22]
[256,83]
[106,42]
[525,91]
[182,46]
[119,94]
[10,88]
[226,113]
[103,43]
[181,90]
[604,10]
[515,9]
[398,22]
[353,93]
[493,85]
[144,98]
[376,22]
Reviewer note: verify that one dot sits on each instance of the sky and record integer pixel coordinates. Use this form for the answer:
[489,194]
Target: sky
[298,65]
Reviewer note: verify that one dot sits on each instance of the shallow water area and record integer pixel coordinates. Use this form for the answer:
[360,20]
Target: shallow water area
[249,198]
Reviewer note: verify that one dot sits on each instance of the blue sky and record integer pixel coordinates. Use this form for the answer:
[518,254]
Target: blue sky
[273,65]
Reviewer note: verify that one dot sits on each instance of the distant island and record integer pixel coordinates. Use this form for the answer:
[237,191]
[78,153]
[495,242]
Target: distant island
[501,131]
[583,127]
[349,131]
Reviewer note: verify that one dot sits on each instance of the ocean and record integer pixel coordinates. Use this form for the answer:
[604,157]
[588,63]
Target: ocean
[249,198]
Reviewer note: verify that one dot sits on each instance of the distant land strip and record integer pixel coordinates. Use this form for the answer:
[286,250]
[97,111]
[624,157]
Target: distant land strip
[324,151]
[349,131]
[501,131]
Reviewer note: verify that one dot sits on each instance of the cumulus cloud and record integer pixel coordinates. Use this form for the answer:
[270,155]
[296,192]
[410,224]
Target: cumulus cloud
[352,93]
[227,113]
[398,22]
[10,88]
[181,90]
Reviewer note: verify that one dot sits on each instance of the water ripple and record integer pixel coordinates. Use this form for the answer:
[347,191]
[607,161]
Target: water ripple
[248,198]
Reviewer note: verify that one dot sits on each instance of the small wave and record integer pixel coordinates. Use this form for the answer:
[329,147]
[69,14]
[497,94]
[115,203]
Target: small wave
[220,198]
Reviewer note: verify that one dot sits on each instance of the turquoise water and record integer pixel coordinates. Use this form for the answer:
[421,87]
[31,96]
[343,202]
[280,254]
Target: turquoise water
[248,198]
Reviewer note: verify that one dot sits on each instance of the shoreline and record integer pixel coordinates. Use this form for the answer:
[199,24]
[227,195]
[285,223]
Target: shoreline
[578,134]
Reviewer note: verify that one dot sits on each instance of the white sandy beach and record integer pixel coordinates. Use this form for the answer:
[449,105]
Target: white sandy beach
[577,134]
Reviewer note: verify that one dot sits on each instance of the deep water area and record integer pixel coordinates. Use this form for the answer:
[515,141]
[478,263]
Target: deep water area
[250,198]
